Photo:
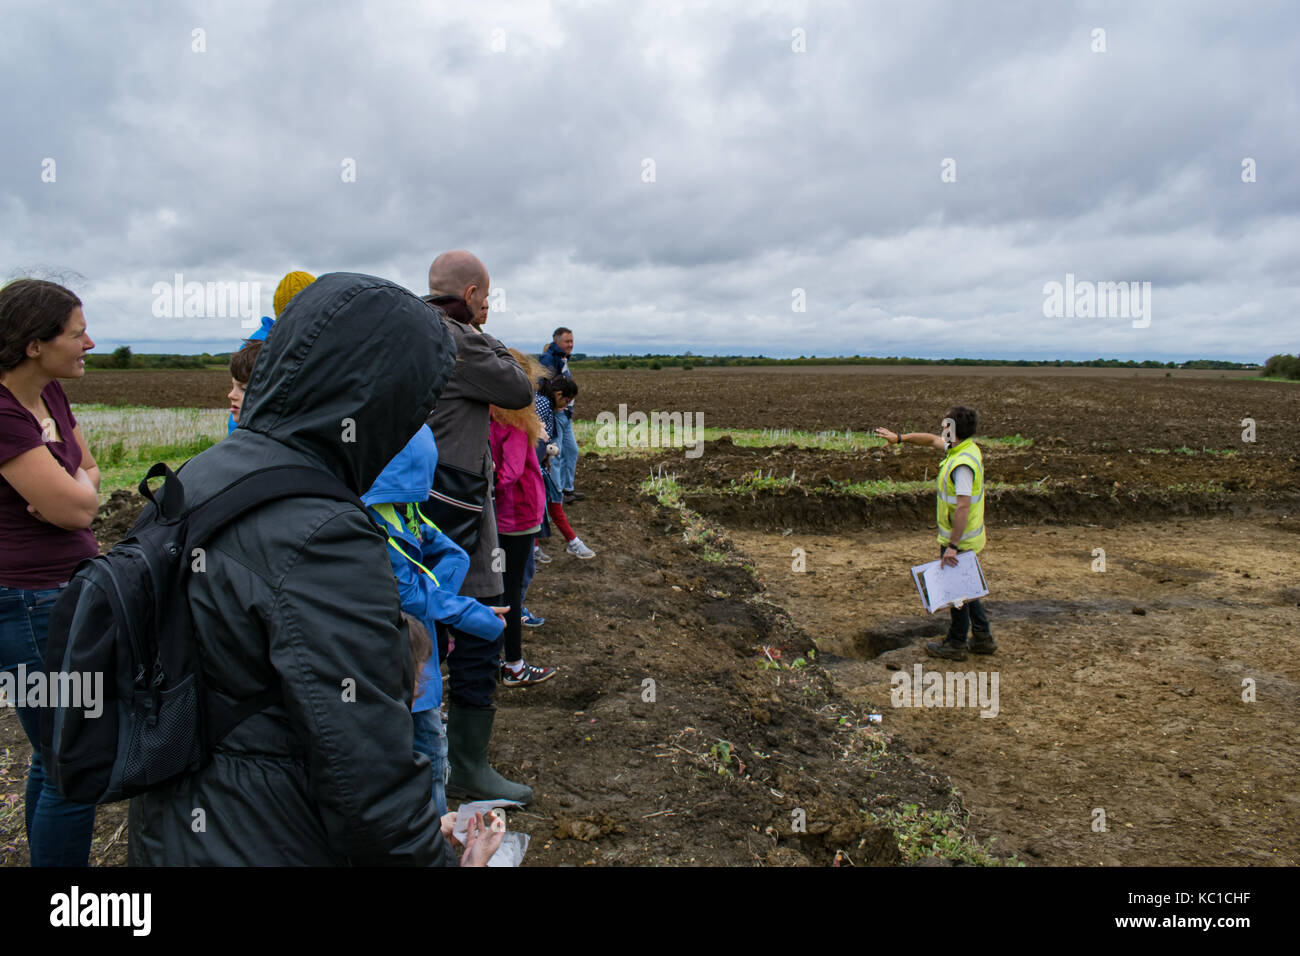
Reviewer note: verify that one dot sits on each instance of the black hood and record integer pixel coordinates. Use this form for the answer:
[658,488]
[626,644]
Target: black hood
[349,373]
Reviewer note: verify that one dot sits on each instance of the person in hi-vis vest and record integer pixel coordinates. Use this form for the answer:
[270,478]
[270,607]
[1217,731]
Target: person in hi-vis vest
[959,506]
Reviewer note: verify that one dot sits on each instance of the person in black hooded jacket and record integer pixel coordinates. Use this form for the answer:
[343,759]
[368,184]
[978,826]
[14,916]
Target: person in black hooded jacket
[299,595]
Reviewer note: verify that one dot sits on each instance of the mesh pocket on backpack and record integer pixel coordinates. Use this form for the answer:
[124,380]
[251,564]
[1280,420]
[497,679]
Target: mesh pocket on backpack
[171,746]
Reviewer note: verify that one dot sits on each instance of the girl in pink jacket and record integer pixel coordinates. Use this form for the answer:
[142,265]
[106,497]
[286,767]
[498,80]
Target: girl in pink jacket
[520,500]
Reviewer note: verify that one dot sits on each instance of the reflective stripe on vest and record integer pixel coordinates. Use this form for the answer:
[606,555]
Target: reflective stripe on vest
[389,514]
[964,453]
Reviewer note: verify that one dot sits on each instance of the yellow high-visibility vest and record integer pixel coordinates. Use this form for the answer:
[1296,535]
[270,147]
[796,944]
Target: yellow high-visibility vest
[963,453]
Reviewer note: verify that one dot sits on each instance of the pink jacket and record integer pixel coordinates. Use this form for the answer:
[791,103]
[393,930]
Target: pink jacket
[520,493]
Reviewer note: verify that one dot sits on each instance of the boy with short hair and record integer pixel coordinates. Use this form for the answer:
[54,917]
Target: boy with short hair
[241,370]
[959,505]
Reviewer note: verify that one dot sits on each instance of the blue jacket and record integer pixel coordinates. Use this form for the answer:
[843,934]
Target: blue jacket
[258,336]
[558,364]
[555,360]
[430,594]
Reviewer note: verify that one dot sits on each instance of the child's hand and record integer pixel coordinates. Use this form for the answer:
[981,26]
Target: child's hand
[449,828]
[482,841]
[500,612]
[887,435]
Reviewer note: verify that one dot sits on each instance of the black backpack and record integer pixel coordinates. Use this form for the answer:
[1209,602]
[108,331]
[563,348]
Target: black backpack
[125,615]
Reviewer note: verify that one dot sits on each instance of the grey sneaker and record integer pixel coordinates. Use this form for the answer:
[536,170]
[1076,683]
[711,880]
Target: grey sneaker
[540,556]
[579,550]
[528,674]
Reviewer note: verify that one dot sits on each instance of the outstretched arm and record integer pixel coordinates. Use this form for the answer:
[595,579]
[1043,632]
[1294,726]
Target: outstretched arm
[912,438]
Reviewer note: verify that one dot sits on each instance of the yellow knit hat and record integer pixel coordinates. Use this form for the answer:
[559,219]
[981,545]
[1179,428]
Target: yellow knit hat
[290,286]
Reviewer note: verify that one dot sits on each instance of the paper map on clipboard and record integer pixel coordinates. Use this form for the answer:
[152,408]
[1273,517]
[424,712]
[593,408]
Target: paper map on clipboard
[939,586]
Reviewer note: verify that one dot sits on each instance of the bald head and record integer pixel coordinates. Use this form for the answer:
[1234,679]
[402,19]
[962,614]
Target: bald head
[461,273]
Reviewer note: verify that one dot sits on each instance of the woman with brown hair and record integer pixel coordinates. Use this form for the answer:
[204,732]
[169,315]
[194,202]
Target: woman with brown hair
[49,495]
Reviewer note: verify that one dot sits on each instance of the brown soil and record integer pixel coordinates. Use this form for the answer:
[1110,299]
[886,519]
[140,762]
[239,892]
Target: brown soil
[1119,690]
[1122,410]
[163,388]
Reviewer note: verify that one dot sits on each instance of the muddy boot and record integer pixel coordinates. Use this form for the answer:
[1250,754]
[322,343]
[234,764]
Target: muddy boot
[982,644]
[948,650]
[468,732]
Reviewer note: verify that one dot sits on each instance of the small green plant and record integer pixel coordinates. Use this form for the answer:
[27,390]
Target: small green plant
[111,454]
[720,757]
[921,833]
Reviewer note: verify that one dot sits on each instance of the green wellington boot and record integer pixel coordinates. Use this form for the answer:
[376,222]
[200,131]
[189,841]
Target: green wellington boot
[468,732]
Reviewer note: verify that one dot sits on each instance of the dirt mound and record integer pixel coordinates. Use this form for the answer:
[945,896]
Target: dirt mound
[802,511]
[116,517]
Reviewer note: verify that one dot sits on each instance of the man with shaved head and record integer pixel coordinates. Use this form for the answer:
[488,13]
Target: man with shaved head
[461,273]
[485,374]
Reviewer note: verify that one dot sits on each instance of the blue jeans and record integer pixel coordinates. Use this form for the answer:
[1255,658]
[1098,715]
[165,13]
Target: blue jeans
[431,740]
[58,830]
[565,466]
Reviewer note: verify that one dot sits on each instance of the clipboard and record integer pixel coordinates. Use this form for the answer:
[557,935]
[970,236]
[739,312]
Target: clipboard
[941,587]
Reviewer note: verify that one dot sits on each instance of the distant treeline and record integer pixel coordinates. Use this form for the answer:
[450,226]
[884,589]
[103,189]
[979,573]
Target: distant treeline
[125,358]
[689,361]
[1282,366]
[1278,366]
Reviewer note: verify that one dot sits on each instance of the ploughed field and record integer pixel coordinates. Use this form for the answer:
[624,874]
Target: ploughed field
[750,610]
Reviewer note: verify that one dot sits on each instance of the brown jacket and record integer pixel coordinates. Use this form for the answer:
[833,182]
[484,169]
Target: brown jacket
[485,374]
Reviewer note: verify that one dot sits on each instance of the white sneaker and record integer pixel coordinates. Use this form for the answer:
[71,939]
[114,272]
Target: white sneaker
[578,549]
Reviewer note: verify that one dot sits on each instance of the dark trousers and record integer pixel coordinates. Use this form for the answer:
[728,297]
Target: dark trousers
[970,618]
[472,665]
[518,548]
[529,570]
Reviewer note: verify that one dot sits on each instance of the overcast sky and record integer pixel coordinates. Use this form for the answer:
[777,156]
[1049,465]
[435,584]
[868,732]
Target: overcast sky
[662,177]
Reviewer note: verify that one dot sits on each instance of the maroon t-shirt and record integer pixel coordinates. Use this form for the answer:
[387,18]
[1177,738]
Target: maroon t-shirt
[35,554]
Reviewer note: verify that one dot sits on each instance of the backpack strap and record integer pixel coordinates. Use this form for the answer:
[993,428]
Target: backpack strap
[267,485]
[222,718]
[171,493]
